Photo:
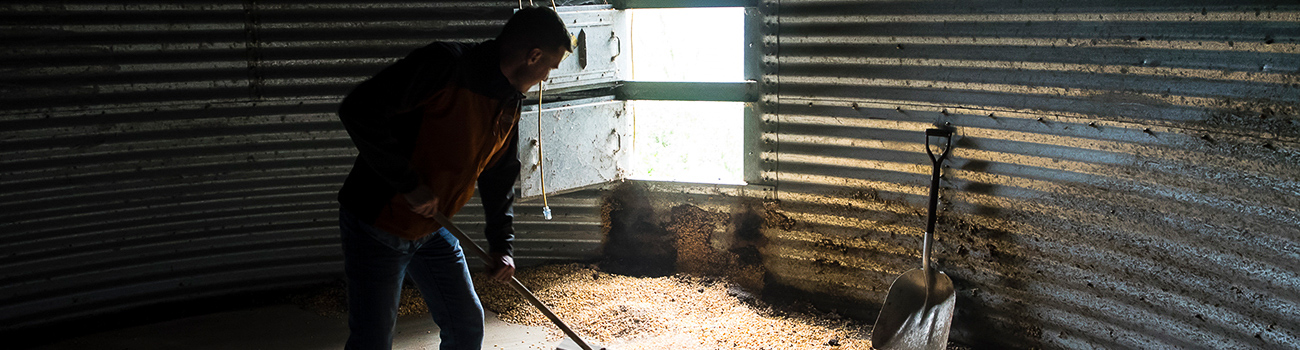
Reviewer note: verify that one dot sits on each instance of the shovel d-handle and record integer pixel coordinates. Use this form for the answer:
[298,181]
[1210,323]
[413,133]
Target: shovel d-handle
[514,282]
[937,163]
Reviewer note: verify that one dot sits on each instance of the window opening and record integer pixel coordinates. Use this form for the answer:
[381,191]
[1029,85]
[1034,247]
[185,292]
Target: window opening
[688,141]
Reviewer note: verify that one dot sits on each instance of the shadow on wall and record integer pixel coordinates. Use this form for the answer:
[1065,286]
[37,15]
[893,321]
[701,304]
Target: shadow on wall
[637,245]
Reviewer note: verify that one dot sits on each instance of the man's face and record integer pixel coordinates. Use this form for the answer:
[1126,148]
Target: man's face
[538,64]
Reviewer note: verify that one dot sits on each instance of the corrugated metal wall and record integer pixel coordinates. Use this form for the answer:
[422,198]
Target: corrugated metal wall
[158,151]
[1126,173]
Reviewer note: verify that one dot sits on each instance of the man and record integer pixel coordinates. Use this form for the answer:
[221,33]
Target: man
[428,129]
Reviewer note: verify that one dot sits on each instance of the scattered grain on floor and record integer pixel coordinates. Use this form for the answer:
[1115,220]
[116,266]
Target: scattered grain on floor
[678,312]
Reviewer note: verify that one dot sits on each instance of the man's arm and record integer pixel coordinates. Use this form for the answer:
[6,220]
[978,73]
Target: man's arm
[379,113]
[369,115]
[496,188]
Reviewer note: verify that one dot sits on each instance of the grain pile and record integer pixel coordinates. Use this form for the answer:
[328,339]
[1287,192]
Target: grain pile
[676,312]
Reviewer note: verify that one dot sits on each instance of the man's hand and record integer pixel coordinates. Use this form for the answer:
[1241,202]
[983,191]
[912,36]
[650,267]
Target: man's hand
[503,267]
[422,201]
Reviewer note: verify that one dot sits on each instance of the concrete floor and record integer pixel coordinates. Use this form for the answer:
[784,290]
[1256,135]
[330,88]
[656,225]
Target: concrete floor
[287,327]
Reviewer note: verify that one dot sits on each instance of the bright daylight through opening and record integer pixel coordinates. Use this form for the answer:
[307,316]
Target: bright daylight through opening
[688,141]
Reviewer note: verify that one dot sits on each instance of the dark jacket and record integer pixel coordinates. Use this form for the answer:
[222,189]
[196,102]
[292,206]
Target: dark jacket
[444,116]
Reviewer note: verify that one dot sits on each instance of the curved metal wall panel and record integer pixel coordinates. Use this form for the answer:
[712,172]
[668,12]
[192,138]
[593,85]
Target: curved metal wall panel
[1126,174]
[162,151]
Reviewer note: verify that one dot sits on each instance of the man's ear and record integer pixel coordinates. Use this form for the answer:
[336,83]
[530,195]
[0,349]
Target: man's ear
[534,56]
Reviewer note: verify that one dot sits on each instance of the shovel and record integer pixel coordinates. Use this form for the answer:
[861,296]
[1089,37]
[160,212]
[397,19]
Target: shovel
[573,343]
[918,309]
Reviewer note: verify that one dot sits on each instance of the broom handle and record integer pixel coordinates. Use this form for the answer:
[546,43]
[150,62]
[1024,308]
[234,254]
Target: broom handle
[514,282]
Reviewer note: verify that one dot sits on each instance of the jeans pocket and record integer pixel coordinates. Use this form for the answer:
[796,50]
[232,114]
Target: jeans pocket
[355,226]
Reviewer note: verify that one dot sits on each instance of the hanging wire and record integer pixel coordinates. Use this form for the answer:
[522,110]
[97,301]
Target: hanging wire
[541,171]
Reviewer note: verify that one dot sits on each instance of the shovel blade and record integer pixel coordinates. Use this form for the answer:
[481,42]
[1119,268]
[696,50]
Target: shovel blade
[911,321]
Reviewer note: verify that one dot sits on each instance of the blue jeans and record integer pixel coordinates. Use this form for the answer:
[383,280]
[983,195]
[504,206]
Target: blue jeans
[376,263]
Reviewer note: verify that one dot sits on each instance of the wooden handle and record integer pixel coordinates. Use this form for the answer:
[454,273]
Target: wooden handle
[514,282]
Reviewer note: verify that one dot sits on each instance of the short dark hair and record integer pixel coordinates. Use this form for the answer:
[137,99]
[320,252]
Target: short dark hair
[535,27]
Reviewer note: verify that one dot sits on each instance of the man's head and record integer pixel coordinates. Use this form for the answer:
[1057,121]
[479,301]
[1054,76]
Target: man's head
[533,42]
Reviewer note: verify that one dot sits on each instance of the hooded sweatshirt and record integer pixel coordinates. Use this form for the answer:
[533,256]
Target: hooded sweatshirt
[443,116]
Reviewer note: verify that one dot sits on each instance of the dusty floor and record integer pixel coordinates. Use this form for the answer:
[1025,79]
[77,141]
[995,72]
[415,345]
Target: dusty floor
[288,327]
[675,312]
[621,312]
